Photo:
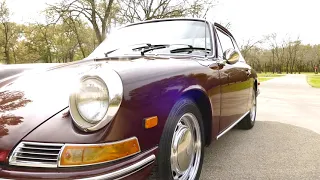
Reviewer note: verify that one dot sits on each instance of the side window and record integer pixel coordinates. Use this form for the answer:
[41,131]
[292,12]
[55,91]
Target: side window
[220,51]
[236,46]
[225,41]
[237,49]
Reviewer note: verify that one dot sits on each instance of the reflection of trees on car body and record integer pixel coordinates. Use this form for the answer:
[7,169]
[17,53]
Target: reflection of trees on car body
[10,101]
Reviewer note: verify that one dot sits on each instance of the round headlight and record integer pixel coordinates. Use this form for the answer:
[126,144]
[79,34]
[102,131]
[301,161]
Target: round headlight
[95,98]
[92,100]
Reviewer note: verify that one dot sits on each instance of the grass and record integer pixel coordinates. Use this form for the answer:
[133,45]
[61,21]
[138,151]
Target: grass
[261,79]
[270,75]
[310,73]
[267,76]
[314,80]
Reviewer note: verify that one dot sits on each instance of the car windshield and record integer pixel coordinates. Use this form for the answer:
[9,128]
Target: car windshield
[179,33]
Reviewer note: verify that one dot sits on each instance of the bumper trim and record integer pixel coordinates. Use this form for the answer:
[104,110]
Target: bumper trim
[122,173]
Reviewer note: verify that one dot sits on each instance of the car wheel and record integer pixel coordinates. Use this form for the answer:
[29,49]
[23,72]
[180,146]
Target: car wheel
[249,121]
[181,147]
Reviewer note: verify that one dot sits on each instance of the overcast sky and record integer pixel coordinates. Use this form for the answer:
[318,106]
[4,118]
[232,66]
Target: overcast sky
[249,18]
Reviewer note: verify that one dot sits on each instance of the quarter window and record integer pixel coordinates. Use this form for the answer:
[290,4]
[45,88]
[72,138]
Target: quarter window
[219,48]
[225,41]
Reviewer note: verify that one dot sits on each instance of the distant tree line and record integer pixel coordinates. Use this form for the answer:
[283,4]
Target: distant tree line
[285,56]
[73,28]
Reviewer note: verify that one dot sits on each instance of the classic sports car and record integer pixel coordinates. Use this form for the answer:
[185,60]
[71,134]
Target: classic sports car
[145,103]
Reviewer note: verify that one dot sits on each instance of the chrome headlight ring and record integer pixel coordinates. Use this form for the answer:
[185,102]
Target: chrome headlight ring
[114,89]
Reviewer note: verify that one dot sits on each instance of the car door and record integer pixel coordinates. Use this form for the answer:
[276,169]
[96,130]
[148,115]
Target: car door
[234,84]
[249,83]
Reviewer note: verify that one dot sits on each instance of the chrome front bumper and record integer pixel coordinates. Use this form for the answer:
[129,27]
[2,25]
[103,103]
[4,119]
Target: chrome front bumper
[139,167]
[125,172]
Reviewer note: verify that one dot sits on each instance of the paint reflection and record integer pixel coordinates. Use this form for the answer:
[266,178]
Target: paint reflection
[156,89]
[10,101]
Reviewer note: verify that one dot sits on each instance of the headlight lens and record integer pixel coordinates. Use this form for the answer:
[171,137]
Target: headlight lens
[95,98]
[92,100]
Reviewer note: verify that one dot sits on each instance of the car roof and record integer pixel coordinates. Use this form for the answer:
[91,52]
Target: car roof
[165,19]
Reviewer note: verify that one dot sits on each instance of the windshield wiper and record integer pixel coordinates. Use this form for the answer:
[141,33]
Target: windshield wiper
[144,45]
[189,49]
[147,47]
[151,47]
[109,52]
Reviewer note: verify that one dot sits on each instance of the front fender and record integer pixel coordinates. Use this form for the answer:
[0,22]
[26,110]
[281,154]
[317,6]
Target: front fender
[153,93]
[146,94]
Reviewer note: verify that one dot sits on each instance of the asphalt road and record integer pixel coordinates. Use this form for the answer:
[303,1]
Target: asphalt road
[285,142]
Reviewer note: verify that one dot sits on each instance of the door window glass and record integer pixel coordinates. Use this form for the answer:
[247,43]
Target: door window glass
[219,48]
[225,40]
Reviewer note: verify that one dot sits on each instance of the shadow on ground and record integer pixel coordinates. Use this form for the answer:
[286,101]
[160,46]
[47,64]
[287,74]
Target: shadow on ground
[271,150]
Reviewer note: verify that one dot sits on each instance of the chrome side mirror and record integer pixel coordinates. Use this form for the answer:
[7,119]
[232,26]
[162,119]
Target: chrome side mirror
[231,56]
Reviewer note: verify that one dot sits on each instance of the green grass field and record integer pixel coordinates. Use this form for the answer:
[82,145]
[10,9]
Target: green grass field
[261,79]
[267,76]
[308,73]
[314,80]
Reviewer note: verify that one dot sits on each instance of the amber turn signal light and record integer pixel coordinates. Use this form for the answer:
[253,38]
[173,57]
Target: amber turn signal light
[80,155]
[150,122]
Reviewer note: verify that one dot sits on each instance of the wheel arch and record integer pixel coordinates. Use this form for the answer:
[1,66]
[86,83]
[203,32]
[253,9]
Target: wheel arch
[199,96]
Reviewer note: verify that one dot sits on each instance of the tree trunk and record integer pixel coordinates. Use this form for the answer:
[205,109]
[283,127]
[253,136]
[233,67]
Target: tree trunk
[80,43]
[78,39]
[6,43]
[273,66]
[14,56]
[94,22]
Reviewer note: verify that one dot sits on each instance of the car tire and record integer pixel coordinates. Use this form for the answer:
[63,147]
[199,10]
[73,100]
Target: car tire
[249,120]
[183,129]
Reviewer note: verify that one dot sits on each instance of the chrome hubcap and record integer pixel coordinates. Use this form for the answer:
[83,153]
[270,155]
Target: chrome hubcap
[253,108]
[186,148]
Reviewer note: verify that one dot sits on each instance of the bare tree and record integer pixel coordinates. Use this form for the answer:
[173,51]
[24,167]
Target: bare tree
[98,12]
[278,52]
[74,26]
[140,10]
[247,46]
[292,49]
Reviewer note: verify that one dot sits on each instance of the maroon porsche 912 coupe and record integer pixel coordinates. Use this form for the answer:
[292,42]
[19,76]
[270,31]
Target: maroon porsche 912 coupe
[143,105]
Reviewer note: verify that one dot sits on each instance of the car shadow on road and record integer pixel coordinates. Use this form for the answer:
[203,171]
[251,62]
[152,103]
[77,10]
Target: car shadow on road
[271,150]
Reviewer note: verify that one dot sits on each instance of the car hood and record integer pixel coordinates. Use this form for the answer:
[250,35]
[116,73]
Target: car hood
[28,100]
